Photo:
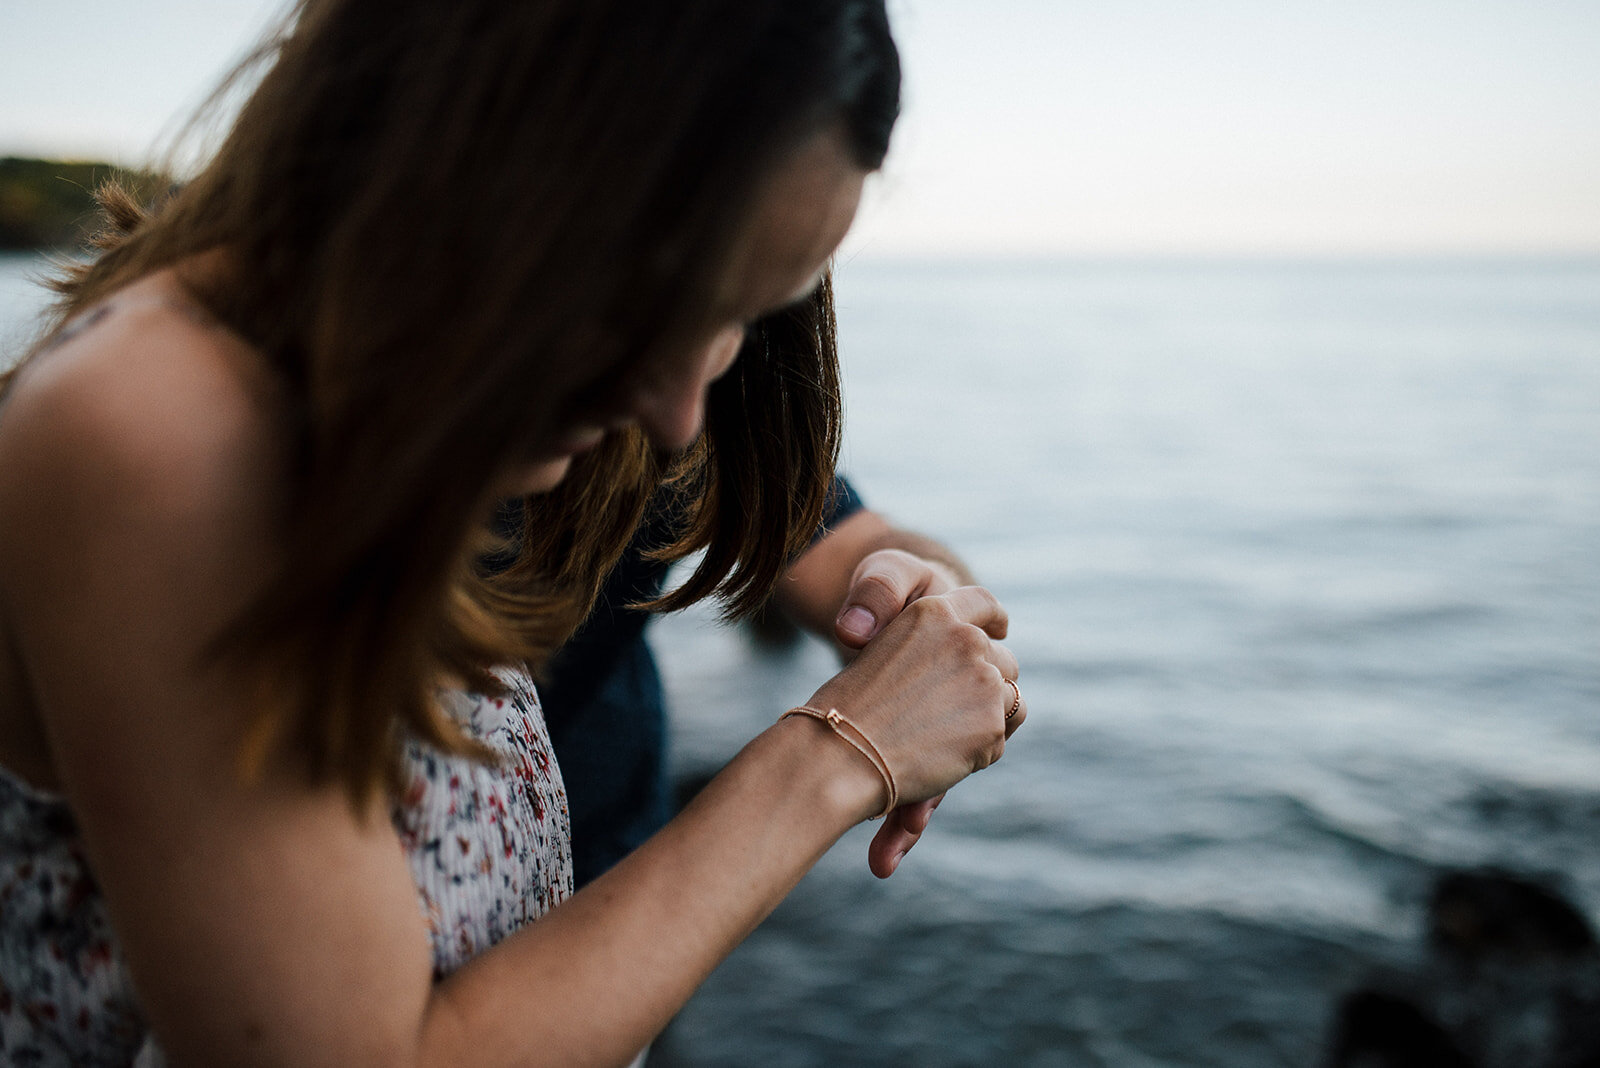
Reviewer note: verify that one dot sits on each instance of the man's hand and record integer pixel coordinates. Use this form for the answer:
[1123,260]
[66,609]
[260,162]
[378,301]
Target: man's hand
[881,587]
[900,831]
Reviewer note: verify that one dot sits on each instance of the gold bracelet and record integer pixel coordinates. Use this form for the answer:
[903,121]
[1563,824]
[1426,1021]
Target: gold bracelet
[859,740]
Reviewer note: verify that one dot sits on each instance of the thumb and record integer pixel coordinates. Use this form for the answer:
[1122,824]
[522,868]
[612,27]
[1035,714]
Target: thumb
[856,625]
[882,585]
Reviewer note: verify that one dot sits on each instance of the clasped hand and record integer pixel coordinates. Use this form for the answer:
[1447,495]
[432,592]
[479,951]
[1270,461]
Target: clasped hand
[927,682]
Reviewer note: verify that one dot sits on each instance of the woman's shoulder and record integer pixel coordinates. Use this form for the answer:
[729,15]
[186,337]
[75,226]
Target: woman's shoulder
[145,372]
[142,423]
[140,396]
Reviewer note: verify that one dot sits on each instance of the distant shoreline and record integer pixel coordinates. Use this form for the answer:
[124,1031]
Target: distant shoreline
[48,205]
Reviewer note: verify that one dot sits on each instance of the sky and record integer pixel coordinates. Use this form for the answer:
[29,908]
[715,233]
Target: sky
[1063,127]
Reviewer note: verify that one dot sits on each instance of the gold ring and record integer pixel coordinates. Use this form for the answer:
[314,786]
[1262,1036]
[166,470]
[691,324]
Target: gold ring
[1016,702]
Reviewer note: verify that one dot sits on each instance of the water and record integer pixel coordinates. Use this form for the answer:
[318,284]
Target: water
[21,298]
[1304,570]
[1303,563]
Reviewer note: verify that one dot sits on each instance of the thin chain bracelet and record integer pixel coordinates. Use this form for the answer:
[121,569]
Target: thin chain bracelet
[858,739]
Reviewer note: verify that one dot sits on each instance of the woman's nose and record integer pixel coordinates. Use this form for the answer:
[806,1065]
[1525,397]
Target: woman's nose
[670,405]
[670,411]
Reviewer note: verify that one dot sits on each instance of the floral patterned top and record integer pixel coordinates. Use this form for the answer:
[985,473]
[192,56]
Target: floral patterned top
[488,848]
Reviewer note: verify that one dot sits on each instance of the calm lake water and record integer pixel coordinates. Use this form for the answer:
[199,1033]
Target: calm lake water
[1303,562]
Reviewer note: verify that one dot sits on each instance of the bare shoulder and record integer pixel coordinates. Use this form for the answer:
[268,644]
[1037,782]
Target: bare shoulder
[138,488]
[141,412]
[259,915]
[140,381]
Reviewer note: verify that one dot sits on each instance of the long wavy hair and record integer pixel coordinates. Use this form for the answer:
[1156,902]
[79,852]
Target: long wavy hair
[448,222]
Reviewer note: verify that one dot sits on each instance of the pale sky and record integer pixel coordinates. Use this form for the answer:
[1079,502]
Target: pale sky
[1064,127]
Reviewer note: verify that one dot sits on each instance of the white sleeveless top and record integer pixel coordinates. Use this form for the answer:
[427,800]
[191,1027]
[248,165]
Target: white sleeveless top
[489,850]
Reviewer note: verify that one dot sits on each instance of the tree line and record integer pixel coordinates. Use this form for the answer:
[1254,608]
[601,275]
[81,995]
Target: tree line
[49,204]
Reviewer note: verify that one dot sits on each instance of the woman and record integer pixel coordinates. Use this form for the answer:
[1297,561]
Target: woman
[258,700]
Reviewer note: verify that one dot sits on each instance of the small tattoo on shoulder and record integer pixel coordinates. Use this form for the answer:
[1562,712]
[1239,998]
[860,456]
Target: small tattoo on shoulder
[77,326]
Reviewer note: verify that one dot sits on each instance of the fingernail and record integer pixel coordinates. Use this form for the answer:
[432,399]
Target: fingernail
[857,621]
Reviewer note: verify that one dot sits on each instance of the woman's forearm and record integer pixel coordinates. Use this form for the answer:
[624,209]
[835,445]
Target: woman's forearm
[599,976]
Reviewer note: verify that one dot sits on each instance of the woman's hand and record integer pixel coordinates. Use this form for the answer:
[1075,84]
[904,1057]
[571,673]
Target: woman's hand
[883,584]
[931,691]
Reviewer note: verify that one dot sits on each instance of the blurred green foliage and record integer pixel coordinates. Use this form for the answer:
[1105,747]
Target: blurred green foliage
[50,203]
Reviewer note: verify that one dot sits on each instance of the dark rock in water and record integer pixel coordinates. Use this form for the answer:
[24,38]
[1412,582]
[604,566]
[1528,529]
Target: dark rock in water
[1377,1030]
[1511,980]
[1489,912]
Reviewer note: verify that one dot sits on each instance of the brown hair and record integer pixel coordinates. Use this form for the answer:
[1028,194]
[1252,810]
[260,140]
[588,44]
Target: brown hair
[447,224]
